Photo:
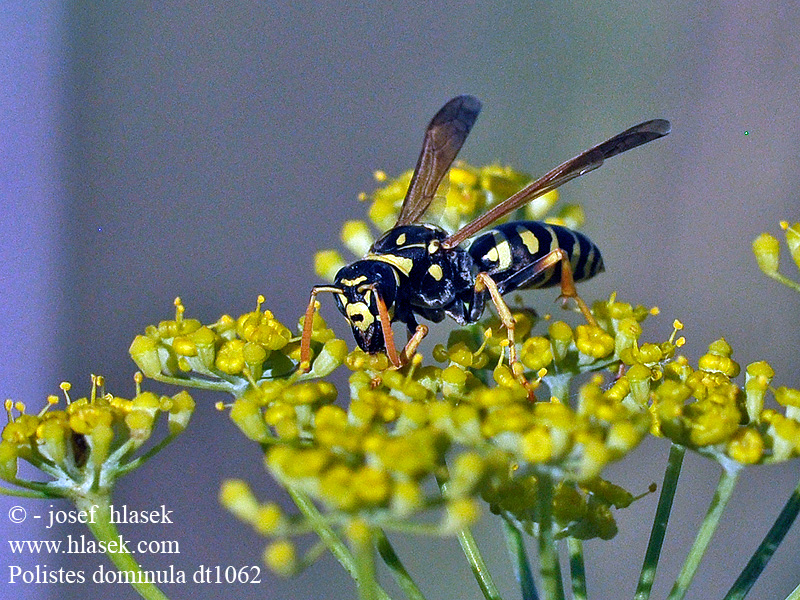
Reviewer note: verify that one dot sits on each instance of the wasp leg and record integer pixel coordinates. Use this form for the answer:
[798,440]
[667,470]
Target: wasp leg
[386,327]
[551,259]
[483,282]
[568,283]
[406,354]
[413,343]
[308,326]
[388,340]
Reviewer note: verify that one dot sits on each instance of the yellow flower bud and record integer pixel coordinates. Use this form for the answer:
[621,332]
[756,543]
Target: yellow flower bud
[536,353]
[793,241]
[281,558]
[327,263]
[144,352]
[767,251]
[746,446]
[357,237]
[236,496]
[246,414]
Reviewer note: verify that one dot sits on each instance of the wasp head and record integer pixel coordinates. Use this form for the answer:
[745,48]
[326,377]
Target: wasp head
[362,283]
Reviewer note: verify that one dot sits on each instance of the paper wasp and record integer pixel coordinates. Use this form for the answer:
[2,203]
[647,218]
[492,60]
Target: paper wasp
[419,270]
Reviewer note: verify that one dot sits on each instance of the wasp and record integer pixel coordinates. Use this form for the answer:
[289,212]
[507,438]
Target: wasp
[419,270]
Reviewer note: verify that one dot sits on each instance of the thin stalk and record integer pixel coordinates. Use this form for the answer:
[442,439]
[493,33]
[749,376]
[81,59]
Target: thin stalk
[329,537]
[550,568]
[725,487]
[785,281]
[140,460]
[767,547]
[396,567]
[105,531]
[577,569]
[366,582]
[648,574]
[473,555]
[519,560]
[478,565]
[795,595]
[23,493]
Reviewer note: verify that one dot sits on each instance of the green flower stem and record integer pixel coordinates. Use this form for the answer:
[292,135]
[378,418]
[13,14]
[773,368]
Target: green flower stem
[105,531]
[767,547]
[552,586]
[577,568]
[323,530]
[795,595]
[24,493]
[519,560]
[785,281]
[200,384]
[140,460]
[329,537]
[365,579]
[673,471]
[398,570]
[478,565]
[725,487]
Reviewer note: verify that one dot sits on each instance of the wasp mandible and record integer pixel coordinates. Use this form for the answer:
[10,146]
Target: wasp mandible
[419,270]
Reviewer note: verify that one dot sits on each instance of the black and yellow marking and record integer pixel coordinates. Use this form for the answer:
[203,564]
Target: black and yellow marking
[506,252]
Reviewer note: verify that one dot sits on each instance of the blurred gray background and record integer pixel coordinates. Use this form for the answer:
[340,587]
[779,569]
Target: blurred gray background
[208,149]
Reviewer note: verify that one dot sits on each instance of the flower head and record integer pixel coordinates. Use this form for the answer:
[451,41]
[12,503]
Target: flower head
[89,443]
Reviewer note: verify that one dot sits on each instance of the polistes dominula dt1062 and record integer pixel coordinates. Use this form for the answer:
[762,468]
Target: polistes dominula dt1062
[418,269]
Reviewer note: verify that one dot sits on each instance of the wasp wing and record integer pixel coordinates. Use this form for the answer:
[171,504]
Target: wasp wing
[575,167]
[443,139]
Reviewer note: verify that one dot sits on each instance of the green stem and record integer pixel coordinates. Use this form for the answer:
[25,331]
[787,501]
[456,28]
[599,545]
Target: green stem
[478,565]
[673,471]
[200,384]
[140,460]
[549,565]
[105,531]
[23,493]
[795,595]
[725,487]
[366,583]
[577,569]
[398,570]
[519,560]
[785,281]
[767,547]
[329,537]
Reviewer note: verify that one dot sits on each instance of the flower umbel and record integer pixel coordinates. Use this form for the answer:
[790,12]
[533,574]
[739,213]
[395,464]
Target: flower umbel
[86,446]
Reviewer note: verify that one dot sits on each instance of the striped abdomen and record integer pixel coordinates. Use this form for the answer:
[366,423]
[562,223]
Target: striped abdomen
[508,252]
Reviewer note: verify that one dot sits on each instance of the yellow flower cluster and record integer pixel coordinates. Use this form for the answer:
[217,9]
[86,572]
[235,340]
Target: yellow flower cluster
[230,354]
[90,442]
[767,251]
[705,410]
[469,193]
[468,422]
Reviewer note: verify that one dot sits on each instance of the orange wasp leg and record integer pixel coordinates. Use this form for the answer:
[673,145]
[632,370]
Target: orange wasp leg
[386,326]
[568,290]
[484,282]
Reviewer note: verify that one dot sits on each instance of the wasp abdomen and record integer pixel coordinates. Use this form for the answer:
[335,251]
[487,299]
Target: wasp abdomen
[506,252]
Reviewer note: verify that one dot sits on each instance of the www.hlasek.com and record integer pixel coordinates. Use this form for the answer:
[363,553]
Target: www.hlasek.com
[86,544]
